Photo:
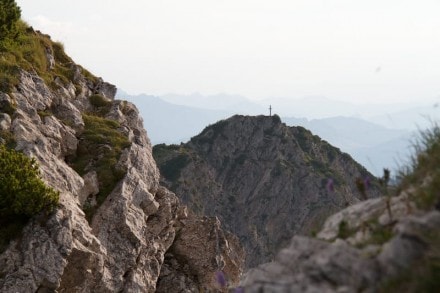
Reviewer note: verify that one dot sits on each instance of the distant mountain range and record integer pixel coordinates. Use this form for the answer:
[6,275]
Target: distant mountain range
[372,145]
[234,103]
[171,123]
[377,136]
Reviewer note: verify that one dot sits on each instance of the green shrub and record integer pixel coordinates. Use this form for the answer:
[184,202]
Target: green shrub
[101,104]
[22,194]
[99,101]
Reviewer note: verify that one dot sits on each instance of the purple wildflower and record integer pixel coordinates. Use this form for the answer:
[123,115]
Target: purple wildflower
[330,185]
[239,290]
[220,277]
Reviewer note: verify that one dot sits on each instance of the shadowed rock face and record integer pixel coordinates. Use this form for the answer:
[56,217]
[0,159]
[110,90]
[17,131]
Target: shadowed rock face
[123,245]
[265,181]
[197,255]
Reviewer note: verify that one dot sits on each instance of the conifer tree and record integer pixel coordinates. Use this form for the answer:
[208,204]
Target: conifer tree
[10,14]
[22,192]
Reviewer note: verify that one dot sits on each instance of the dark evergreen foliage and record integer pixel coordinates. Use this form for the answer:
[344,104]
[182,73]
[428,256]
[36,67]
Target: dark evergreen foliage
[22,192]
[9,15]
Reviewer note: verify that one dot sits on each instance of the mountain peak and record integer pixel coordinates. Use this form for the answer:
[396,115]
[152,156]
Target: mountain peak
[238,125]
[264,180]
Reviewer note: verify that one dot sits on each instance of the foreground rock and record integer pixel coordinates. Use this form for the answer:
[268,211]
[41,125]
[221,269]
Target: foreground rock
[365,250]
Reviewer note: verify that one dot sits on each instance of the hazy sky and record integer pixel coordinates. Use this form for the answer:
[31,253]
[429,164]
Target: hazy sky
[375,50]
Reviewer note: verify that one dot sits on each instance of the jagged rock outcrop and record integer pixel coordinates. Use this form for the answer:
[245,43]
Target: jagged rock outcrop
[68,127]
[265,181]
[196,240]
[360,249]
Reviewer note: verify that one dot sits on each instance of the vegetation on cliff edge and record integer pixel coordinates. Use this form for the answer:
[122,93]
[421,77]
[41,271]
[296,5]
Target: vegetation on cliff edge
[22,48]
[424,170]
[100,148]
[22,193]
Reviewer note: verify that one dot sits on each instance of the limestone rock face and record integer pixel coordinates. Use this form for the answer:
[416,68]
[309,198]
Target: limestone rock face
[122,247]
[197,258]
[382,259]
[265,181]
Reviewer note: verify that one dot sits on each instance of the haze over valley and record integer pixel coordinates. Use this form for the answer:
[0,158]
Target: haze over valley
[308,59]
[376,135]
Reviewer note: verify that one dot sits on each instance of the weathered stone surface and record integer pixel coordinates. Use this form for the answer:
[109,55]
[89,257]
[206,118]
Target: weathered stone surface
[311,265]
[105,89]
[90,188]
[416,236]
[356,217]
[314,265]
[39,258]
[67,112]
[201,249]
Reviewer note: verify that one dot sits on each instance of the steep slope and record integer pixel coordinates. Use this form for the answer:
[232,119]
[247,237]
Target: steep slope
[264,180]
[115,229]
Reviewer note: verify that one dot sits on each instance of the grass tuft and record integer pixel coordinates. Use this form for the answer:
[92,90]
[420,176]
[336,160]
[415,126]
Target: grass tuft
[101,104]
[100,148]
[29,51]
[424,170]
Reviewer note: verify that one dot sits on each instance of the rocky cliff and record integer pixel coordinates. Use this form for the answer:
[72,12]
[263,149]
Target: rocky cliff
[265,181]
[116,229]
